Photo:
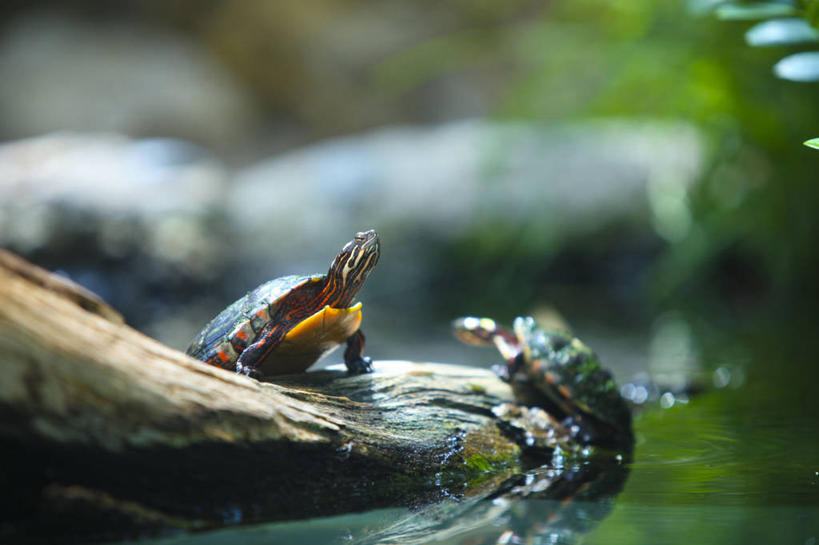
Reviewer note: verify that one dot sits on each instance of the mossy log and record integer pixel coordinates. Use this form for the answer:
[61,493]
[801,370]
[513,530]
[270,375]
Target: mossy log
[103,425]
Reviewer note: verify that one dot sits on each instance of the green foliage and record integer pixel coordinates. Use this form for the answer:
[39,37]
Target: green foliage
[799,67]
[786,31]
[753,222]
[783,31]
[787,24]
[751,12]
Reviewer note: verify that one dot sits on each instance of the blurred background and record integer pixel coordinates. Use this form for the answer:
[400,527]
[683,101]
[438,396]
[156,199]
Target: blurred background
[633,170]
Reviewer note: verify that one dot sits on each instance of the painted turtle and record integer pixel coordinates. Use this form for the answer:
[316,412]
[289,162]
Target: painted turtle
[576,387]
[286,324]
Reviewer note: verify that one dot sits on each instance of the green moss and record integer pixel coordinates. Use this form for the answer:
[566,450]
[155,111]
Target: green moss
[480,389]
[479,462]
[486,453]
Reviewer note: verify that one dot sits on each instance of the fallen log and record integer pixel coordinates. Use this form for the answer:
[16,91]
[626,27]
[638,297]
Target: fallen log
[111,433]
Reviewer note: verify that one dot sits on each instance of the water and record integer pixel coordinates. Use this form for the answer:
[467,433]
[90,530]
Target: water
[722,470]
[734,465]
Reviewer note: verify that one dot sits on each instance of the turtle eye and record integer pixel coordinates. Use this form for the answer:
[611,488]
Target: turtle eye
[364,236]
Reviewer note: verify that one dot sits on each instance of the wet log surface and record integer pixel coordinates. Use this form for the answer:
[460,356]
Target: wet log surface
[107,433]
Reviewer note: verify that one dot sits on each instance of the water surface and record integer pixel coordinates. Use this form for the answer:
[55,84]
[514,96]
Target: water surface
[738,464]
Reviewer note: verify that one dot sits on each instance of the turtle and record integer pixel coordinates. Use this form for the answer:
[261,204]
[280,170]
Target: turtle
[286,324]
[573,384]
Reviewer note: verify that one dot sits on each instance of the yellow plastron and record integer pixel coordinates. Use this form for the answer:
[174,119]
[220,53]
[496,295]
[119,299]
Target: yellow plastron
[312,338]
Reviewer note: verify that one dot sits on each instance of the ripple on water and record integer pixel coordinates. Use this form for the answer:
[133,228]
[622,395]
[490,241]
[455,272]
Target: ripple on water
[725,454]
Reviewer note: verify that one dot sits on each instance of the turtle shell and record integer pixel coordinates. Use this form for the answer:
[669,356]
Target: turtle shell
[561,374]
[238,326]
[572,377]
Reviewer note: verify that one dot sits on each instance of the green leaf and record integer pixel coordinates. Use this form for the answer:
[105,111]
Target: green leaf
[812,143]
[750,12]
[781,32]
[799,67]
[811,14]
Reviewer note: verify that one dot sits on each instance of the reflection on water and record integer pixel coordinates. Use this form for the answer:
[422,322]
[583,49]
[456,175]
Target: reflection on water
[541,506]
[706,523]
[734,465]
[705,449]
[697,477]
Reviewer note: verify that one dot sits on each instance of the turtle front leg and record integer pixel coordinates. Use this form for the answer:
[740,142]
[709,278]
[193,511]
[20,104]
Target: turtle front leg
[354,358]
[248,371]
[507,371]
[250,358]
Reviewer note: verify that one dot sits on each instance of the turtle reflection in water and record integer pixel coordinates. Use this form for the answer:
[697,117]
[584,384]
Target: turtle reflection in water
[286,324]
[572,384]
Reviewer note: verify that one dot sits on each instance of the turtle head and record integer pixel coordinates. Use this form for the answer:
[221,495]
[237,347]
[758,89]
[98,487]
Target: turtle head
[352,266]
[474,330]
[480,331]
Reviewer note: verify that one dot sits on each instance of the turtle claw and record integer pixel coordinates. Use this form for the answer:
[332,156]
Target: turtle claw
[502,370]
[506,371]
[355,360]
[248,371]
[359,366]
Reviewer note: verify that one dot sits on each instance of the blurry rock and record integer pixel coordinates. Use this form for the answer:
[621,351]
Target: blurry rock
[136,221]
[420,184]
[337,66]
[475,216]
[62,73]
[473,209]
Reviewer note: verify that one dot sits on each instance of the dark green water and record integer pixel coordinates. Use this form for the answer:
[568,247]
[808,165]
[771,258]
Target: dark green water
[735,465]
[722,470]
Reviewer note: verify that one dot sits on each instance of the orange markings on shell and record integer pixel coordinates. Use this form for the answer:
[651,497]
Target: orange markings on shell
[564,391]
[216,362]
